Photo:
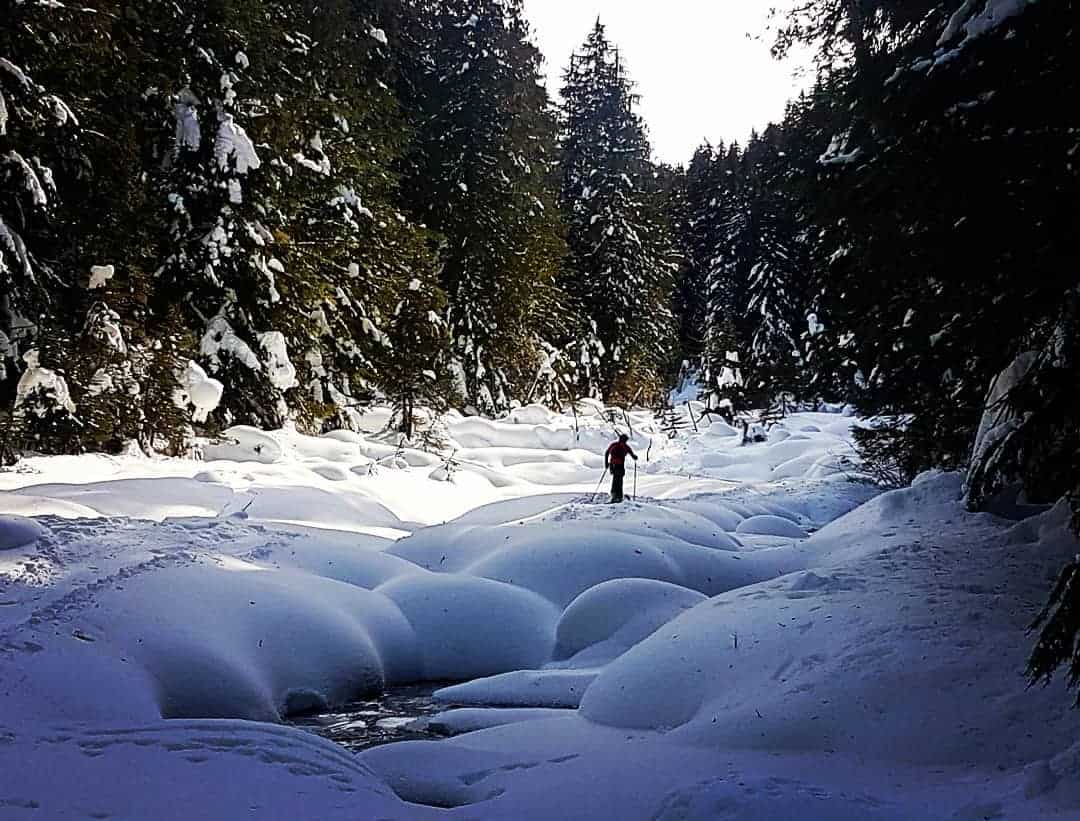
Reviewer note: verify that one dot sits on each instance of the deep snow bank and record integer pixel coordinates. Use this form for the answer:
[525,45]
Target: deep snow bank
[767,628]
[259,601]
[883,683]
[899,644]
[17,531]
[180,771]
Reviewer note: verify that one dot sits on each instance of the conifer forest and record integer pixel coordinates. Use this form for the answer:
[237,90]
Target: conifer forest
[275,215]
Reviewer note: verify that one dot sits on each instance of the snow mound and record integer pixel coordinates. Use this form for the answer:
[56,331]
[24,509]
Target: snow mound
[352,558]
[210,770]
[332,472]
[522,688]
[532,415]
[16,531]
[619,614]
[237,642]
[215,639]
[562,552]
[559,435]
[822,448]
[875,652]
[721,429]
[564,565]
[453,617]
[771,526]
[245,444]
[471,719]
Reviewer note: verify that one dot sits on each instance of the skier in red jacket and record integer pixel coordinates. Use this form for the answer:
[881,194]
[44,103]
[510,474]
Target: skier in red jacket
[615,461]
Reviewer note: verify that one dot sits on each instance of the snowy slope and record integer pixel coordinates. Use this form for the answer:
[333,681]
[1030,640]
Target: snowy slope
[757,636]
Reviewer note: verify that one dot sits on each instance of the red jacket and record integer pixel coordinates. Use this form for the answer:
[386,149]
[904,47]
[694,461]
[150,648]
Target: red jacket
[617,453]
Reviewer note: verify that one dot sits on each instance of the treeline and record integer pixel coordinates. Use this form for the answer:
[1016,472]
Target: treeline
[905,235]
[254,211]
[308,205]
[906,240]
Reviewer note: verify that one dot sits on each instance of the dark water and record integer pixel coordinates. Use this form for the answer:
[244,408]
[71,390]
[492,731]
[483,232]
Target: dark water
[380,720]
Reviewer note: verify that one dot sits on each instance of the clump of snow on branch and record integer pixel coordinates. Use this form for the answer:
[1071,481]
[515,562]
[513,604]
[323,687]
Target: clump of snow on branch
[233,144]
[973,25]
[188,131]
[104,323]
[37,380]
[994,14]
[219,338]
[31,182]
[280,369]
[999,421]
[351,206]
[321,163]
[199,391]
[100,274]
[838,152]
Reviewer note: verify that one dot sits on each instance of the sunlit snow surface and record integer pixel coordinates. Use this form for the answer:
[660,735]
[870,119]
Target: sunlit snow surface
[758,635]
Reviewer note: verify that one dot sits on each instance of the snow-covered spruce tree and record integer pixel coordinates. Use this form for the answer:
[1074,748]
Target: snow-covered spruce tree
[414,365]
[686,302]
[927,188]
[750,246]
[1029,441]
[39,150]
[109,58]
[950,184]
[722,213]
[343,228]
[622,260]
[1029,434]
[221,187]
[713,303]
[694,233]
[480,174]
[44,416]
[825,368]
[774,268]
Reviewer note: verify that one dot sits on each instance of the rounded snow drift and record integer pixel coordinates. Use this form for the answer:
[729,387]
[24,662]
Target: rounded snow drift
[721,428]
[17,531]
[624,611]
[531,415]
[566,563]
[468,627]
[244,444]
[771,526]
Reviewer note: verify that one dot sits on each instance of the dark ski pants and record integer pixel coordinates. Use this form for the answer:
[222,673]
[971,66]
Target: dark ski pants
[617,474]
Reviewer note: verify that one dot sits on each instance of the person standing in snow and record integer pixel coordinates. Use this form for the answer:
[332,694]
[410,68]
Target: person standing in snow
[615,461]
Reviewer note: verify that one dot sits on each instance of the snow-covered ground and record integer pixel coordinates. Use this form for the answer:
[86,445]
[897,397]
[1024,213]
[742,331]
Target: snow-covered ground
[758,635]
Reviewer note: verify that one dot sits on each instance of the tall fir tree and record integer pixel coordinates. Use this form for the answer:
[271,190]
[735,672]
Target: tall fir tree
[774,269]
[481,176]
[44,174]
[344,226]
[623,259]
[695,232]
[220,258]
[724,231]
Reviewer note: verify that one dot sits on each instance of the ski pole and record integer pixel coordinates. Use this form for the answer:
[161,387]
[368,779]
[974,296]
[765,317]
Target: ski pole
[598,484]
[634,497]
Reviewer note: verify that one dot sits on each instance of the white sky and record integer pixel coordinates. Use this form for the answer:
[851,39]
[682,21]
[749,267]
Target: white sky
[698,73]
